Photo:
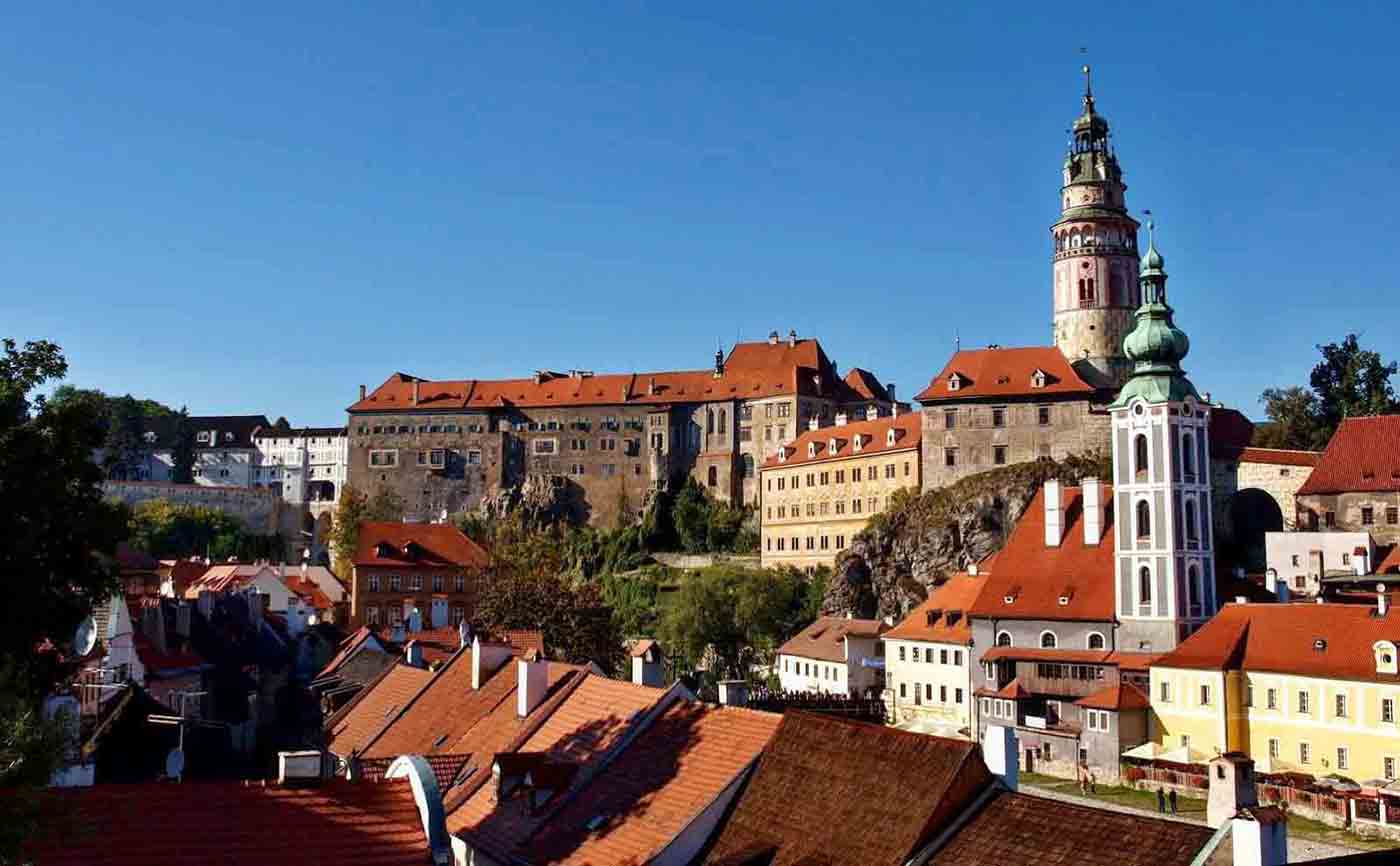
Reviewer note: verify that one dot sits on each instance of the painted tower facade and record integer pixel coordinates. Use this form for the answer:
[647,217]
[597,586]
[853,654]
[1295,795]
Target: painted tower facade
[1161,469]
[1095,262]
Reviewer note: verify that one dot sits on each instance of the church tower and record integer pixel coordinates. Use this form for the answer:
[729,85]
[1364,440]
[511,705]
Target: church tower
[1096,271]
[1161,474]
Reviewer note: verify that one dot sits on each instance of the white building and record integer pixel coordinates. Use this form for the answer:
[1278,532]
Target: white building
[224,455]
[928,661]
[835,656]
[1302,559]
[306,465]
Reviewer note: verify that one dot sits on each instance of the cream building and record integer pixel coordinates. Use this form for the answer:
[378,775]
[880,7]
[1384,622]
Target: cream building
[928,661]
[818,491]
[834,655]
[1308,688]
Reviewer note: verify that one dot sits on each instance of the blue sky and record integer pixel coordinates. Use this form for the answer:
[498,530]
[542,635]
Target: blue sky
[256,209]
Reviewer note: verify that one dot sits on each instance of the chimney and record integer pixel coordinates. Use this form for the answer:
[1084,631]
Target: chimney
[647,667]
[531,682]
[872,412]
[415,392]
[413,654]
[1259,837]
[298,767]
[719,363]
[1382,600]
[1054,514]
[1231,787]
[840,419]
[772,338]
[733,693]
[362,392]
[889,389]
[651,386]
[999,751]
[792,338]
[1093,512]
[486,658]
[814,423]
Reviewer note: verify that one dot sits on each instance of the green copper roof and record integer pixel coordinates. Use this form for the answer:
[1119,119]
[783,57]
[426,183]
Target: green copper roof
[1155,345]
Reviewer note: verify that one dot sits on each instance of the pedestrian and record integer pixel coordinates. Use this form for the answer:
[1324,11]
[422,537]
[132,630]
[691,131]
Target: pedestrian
[1161,801]
[1093,783]
[1171,799]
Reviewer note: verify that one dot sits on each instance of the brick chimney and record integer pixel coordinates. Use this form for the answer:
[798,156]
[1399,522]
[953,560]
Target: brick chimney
[362,392]
[772,338]
[792,338]
[889,389]
[1054,514]
[1093,512]
[531,682]
[486,657]
[415,392]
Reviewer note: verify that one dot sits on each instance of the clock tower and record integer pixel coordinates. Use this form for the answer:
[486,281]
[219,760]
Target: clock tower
[1096,266]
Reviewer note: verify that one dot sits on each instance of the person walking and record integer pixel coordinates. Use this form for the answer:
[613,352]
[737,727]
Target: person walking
[1171,800]
[1161,802]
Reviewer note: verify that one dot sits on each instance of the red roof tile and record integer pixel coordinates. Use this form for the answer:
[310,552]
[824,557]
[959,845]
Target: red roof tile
[408,544]
[1025,830]
[942,618]
[874,435]
[1004,373]
[832,791]
[865,385]
[1012,691]
[825,639]
[198,823]
[1388,559]
[308,590]
[347,648]
[357,723]
[1283,638]
[1363,455]
[1120,697]
[1280,457]
[156,661]
[1036,577]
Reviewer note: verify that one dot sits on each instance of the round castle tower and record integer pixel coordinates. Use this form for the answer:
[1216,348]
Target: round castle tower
[1096,265]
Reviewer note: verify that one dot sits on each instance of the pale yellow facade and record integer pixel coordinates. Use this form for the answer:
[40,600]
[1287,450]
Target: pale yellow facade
[810,510]
[1286,723]
[929,686]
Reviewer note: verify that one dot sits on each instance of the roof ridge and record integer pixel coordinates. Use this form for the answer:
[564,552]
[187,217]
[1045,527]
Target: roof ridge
[432,678]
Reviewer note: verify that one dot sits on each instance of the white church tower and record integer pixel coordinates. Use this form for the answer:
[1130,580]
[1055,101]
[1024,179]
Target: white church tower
[1161,471]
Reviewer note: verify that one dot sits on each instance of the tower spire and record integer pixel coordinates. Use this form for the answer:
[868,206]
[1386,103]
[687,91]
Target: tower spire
[1088,91]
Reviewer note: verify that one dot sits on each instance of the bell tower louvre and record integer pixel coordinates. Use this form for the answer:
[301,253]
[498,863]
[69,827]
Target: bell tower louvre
[1095,258]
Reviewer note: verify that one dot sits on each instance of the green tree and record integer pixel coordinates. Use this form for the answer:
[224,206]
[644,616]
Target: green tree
[690,514]
[578,625]
[1293,420]
[1351,381]
[182,449]
[55,562]
[171,530]
[353,509]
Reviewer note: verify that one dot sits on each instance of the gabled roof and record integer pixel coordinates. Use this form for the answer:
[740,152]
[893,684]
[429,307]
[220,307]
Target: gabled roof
[348,647]
[660,783]
[1124,696]
[357,723]
[998,372]
[309,591]
[417,544]
[1280,457]
[1012,691]
[1283,638]
[230,431]
[832,791]
[942,618]
[1363,455]
[908,430]
[1037,577]
[865,386]
[198,823]
[825,639]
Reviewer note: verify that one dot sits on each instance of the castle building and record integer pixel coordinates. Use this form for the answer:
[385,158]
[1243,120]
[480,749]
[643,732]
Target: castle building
[604,442]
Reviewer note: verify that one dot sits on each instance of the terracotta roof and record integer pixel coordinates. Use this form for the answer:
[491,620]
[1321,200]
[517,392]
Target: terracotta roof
[156,662]
[752,370]
[309,591]
[1036,577]
[1230,433]
[865,385]
[660,783]
[831,791]
[1025,830]
[405,545]
[197,823]
[1012,691]
[1280,457]
[1387,559]
[226,577]
[942,618]
[445,768]
[356,724]
[1120,697]
[1283,638]
[640,648]
[182,573]
[825,639]
[908,430]
[347,648]
[1363,455]
[1132,661]
[1004,373]
[438,644]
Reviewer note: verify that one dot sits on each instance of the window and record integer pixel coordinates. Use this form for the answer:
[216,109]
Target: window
[943,657]
[950,457]
[1271,696]
[1192,534]
[1003,638]
[473,458]
[1389,768]
[957,696]
[1304,753]
[1392,515]
[1145,586]
[1144,520]
[1342,756]
[543,446]
[889,470]
[1388,710]
[1096,641]
[1341,707]
[1304,703]
[1048,640]
[417,583]
[855,474]
[384,458]
[372,615]
[986,706]
[395,583]
[903,693]
[1042,415]
[999,455]
[459,583]
[1165,690]
[1205,695]
[1330,519]
[915,653]
[437,583]
[1140,456]
[950,419]
[901,652]
[998,416]
[1249,696]
[1368,516]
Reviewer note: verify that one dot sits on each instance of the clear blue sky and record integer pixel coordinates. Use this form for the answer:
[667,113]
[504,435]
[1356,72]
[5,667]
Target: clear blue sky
[256,210]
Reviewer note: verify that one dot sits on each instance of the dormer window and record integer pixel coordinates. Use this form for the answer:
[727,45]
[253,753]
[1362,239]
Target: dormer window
[955,382]
[890,437]
[1319,645]
[856,442]
[811,449]
[831,446]
[782,454]
[1038,379]
[1385,657]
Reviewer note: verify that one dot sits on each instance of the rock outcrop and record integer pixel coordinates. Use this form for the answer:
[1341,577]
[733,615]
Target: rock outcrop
[539,501]
[921,539]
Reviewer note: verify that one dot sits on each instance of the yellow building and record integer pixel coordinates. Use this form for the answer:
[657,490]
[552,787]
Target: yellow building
[1310,688]
[818,491]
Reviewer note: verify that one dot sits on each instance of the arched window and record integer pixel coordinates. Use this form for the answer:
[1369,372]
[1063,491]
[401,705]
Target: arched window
[1140,457]
[1096,641]
[721,420]
[1074,239]
[709,421]
[1048,640]
[1192,533]
[1188,457]
[1003,638]
[1144,519]
[1145,586]
[1193,588]
[746,467]
[714,476]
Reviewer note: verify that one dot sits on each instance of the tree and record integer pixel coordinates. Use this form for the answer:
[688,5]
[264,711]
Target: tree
[172,530]
[131,426]
[578,625]
[1348,382]
[353,509]
[1293,421]
[182,450]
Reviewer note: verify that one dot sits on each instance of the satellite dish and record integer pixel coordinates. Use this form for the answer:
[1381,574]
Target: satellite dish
[175,763]
[85,638]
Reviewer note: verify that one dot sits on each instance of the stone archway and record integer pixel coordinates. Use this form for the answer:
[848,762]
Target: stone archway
[1253,512]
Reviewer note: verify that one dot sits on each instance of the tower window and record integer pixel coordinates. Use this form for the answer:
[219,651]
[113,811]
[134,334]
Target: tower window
[1188,457]
[1145,586]
[1192,532]
[1144,520]
[1140,457]
[1193,589]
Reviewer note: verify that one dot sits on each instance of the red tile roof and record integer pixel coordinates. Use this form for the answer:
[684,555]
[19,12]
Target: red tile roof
[942,618]
[1012,691]
[660,782]
[156,661]
[640,648]
[308,590]
[832,791]
[1283,638]
[198,823]
[908,430]
[865,385]
[1025,830]
[1280,457]
[417,544]
[347,648]
[1004,373]
[439,644]
[182,573]
[1037,577]
[1387,559]
[355,725]
[1230,433]
[825,639]
[1120,697]
[1363,455]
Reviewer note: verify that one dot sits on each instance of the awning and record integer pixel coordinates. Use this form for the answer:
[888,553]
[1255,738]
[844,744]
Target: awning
[1144,752]
[1184,755]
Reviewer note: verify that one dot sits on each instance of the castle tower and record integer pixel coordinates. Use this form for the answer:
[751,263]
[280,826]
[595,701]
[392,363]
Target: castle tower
[1161,470]
[1096,271]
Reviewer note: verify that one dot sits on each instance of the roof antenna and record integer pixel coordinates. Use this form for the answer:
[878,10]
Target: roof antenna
[957,342]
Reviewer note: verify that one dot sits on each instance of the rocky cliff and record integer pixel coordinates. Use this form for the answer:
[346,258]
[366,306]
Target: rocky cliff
[920,539]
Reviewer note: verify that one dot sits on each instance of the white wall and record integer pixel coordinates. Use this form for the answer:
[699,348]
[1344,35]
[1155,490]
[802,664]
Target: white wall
[933,679]
[1283,548]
